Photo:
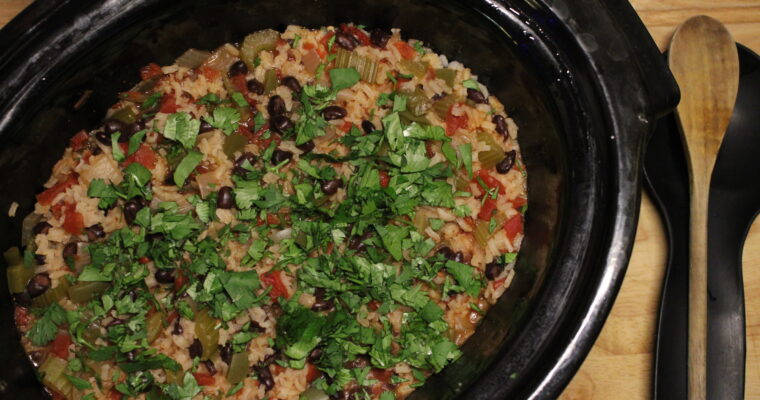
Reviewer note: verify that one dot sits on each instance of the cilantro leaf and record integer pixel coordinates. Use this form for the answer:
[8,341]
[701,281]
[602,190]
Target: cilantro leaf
[463,274]
[240,286]
[45,328]
[246,192]
[116,151]
[299,331]
[186,391]
[342,78]
[239,99]
[226,119]
[393,132]
[471,84]
[78,383]
[465,151]
[107,194]
[134,141]
[183,128]
[209,99]
[392,237]
[186,167]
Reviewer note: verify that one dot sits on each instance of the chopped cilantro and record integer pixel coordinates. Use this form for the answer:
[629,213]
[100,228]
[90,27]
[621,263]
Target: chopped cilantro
[225,118]
[45,328]
[471,84]
[239,99]
[118,153]
[186,167]
[107,194]
[209,99]
[183,128]
[343,78]
[78,383]
[134,141]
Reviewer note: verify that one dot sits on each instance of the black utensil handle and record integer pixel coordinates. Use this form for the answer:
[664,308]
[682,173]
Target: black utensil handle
[726,334]
[671,342]
[659,83]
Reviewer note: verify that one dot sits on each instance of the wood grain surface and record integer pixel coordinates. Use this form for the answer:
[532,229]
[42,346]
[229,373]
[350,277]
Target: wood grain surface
[619,366]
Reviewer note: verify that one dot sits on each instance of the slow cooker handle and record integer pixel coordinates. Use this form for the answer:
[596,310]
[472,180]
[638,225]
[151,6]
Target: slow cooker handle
[663,91]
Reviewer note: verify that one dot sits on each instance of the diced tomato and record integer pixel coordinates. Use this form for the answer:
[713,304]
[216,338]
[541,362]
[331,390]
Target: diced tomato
[330,247]
[86,157]
[384,178]
[497,284]
[357,33]
[256,137]
[114,394]
[73,222]
[204,379]
[172,317]
[486,210]
[346,126]
[312,372]
[373,305]
[324,42]
[400,80]
[133,96]
[406,51]
[21,315]
[308,45]
[149,71]
[454,122]
[55,395]
[430,73]
[168,104]
[144,260]
[383,375]
[210,73]
[79,140]
[518,202]
[490,181]
[60,345]
[429,148]
[274,279]
[239,82]
[179,280]
[47,197]
[273,219]
[513,226]
[144,155]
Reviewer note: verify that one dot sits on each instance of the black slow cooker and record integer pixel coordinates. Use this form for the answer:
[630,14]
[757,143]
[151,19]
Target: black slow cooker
[582,79]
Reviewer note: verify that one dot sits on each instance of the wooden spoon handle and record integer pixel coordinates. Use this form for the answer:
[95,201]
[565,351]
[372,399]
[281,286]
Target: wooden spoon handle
[698,292]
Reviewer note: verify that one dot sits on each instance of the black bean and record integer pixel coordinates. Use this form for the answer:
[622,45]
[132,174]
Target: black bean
[255,87]
[132,294]
[451,255]
[331,187]
[379,37]
[360,361]
[37,357]
[306,147]
[131,355]
[136,126]
[493,269]
[210,367]
[237,68]
[268,360]
[333,112]
[438,96]
[291,83]
[345,41]
[501,125]
[357,242]
[506,164]
[115,322]
[276,106]
[458,257]
[41,228]
[195,349]
[114,125]
[205,126]
[164,276]
[247,156]
[103,138]
[22,299]
[70,250]
[95,232]
[278,156]
[38,285]
[476,96]
[95,150]
[40,259]
[224,199]
[265,377]
[177,329]
[320,302]
[368,127]
[315,354]
[255,327]
[130,210]
[280,123]
[226,353]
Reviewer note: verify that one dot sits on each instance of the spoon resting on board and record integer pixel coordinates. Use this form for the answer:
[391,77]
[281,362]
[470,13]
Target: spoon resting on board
[705,63]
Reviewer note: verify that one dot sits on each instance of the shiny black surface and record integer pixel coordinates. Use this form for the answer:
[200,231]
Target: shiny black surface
[734,203]
[577,76]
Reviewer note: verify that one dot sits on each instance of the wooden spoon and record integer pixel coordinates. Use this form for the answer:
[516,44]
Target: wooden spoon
[705,63]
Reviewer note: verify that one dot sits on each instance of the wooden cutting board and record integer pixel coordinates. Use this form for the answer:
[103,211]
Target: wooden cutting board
[620,364]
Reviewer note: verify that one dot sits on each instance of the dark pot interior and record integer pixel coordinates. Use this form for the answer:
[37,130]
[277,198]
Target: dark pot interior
[553,95]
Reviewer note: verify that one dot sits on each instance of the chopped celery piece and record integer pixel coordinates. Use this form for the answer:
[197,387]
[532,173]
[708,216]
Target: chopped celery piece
[482,232]
[417,102]
[82,292]
[494,155]
[441,106]
[52,371]
[416,68]
[255,43]
[53,295]
[408,117]
[207,333]
[238,368]
[270,80]
[448,75]
[18,276]
[13,256]
[126,115]
[234,143]
[192,58]
[366,67]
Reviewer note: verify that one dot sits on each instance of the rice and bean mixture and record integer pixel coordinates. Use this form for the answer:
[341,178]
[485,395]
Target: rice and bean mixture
[310,214]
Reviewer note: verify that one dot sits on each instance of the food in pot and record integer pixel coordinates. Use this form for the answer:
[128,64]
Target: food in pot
[311,214]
